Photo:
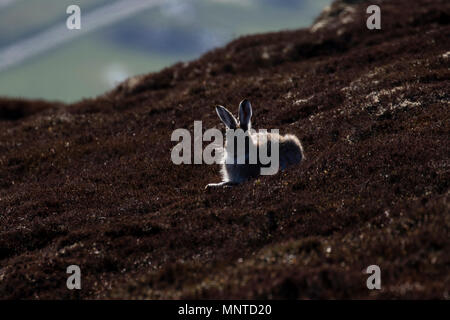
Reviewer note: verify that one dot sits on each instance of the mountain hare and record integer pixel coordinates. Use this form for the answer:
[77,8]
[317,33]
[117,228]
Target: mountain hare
[290,149]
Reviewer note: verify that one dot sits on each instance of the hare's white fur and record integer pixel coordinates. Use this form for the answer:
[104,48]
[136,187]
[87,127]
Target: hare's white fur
[290,148]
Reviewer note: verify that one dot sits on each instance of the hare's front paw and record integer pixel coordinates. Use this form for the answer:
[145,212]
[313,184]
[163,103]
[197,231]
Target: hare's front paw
[214,185]
[220,184]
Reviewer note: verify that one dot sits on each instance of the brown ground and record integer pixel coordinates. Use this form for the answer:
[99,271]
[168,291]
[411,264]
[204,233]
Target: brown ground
[92,183]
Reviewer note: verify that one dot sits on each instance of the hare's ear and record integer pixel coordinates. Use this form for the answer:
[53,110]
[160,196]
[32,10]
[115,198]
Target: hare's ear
[227,118]
[245,114]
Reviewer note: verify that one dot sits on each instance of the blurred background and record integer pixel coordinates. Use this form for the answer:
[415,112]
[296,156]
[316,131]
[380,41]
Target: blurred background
[41,58]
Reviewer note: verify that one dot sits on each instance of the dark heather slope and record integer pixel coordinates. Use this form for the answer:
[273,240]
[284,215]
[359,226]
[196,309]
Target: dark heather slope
[92,183]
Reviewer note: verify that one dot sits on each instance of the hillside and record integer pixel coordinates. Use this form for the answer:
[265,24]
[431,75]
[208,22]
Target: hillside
[92,183]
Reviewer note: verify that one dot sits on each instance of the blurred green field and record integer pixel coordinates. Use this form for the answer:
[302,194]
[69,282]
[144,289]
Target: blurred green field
[155,38]
[77,70]
[25,17]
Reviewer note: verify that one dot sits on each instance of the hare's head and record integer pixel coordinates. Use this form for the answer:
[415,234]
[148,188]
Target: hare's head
[240,131]
[245,114]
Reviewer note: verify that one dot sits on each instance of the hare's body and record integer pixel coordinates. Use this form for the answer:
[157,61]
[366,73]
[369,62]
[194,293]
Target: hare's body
[290,148]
